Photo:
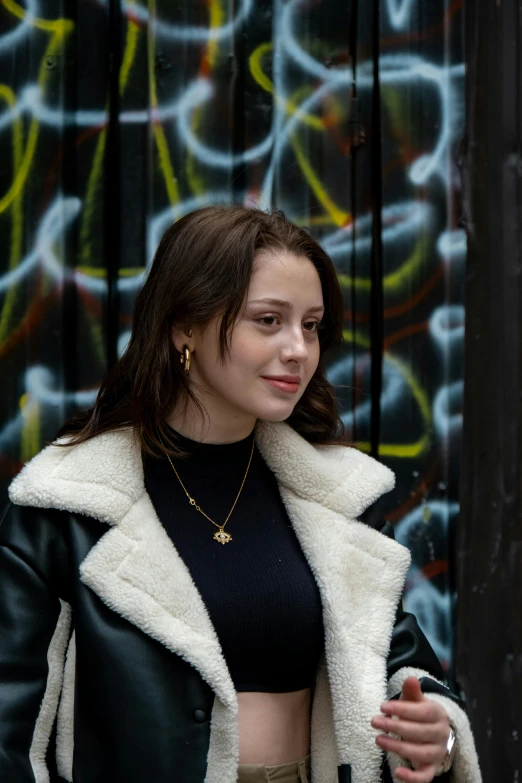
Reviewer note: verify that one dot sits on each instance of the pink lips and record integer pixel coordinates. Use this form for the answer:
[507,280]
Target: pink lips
[285,383]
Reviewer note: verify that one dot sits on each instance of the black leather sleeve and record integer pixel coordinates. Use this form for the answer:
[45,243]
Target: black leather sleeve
[32,579]
[410,648]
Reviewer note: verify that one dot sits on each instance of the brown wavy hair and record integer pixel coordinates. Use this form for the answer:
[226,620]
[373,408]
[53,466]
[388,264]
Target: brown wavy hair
[202,269]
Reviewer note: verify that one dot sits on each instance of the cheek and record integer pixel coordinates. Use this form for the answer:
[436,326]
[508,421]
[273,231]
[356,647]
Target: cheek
[314,354]
[250,352]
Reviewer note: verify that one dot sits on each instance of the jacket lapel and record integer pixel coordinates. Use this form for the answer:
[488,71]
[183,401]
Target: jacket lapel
[137,572]
[134,568]
[360,574]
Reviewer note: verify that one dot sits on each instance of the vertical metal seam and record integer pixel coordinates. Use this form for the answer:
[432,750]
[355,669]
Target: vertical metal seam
[112,206]
[376,297]
[353,208]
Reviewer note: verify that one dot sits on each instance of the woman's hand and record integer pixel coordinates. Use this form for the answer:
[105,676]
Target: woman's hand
[423,728]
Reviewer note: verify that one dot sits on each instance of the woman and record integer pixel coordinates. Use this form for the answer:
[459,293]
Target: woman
[186,593]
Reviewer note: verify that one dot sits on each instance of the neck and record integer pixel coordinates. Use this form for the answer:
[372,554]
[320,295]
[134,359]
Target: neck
[212,428]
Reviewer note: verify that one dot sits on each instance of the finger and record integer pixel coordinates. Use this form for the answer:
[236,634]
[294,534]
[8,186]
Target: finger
[425,712]
[414,731]
[411,690]
[425,775]
[420,754]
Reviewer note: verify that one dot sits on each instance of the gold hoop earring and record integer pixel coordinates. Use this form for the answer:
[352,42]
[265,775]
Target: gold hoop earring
[185,359]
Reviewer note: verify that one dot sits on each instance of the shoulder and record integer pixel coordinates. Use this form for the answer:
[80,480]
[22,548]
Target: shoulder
[46,542]
[99,478]
[341,478]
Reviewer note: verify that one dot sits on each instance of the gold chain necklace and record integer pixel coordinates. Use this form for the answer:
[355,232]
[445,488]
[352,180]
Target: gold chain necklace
[220,535]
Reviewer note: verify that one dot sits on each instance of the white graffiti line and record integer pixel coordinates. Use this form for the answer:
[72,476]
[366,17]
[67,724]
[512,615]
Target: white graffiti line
[431,607]
[53,225]
[186,33]
[399,12]
[394,387]
[452,245]
[403,220]
[11,432]
[394,69]
[398,68]
[440,512]
[197,94]
[123,342]
[282,135]
[160,222]
[30,102]
[447,409]
[278,111]
[446,325]
[302,58]
[39,382]
[62,212]
[10,40]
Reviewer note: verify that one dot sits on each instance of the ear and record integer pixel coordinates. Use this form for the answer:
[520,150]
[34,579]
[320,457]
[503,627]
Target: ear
[181,336]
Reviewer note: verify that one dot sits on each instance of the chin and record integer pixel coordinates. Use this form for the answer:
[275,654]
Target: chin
[275,413]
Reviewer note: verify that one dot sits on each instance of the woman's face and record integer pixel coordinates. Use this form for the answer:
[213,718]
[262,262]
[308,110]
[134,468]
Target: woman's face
[274,346]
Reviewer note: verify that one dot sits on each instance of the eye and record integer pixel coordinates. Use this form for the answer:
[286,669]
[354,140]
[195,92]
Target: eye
[312,326]
[264,320]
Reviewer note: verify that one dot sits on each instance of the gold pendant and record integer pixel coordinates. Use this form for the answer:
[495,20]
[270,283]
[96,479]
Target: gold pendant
[222,536]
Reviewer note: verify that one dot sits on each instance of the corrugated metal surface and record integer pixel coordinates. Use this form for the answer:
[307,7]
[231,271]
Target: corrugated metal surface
[118,117]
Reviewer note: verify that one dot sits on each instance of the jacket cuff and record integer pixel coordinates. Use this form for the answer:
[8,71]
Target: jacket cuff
[465,767]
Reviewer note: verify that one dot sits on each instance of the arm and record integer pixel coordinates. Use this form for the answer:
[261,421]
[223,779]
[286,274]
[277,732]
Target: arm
[35,623]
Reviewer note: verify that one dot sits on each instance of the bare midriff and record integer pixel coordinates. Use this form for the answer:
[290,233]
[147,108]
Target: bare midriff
[274,728]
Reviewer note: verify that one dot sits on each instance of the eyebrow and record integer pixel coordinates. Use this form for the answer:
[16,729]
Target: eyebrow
[286,305]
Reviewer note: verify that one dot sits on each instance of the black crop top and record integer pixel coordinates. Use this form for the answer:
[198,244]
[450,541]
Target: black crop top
[258,589]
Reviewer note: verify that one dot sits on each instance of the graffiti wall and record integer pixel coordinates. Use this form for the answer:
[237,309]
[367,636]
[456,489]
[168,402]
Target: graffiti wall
[118,118]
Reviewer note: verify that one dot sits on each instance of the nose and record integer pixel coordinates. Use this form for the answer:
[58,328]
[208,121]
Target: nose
[295,348]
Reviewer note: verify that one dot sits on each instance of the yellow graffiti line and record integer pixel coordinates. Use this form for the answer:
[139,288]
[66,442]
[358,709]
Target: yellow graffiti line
[133,270]
[128,59]
[90,197]
[400,450]
[338,216]
[30,439]
[95,271]
[194,180]
[17,215]
[97,339]
[55,25]
[289,106]
[313,220]
[129,54]
[396,106]
[92,271]
[165,164]
[85,240]
[400,278]
[217,16]
[25,165]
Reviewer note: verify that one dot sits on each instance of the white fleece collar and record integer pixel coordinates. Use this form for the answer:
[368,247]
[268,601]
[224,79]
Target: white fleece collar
[104,476]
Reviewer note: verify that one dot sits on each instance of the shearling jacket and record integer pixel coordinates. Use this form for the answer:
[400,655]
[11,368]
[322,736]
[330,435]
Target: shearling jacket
[110,669]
